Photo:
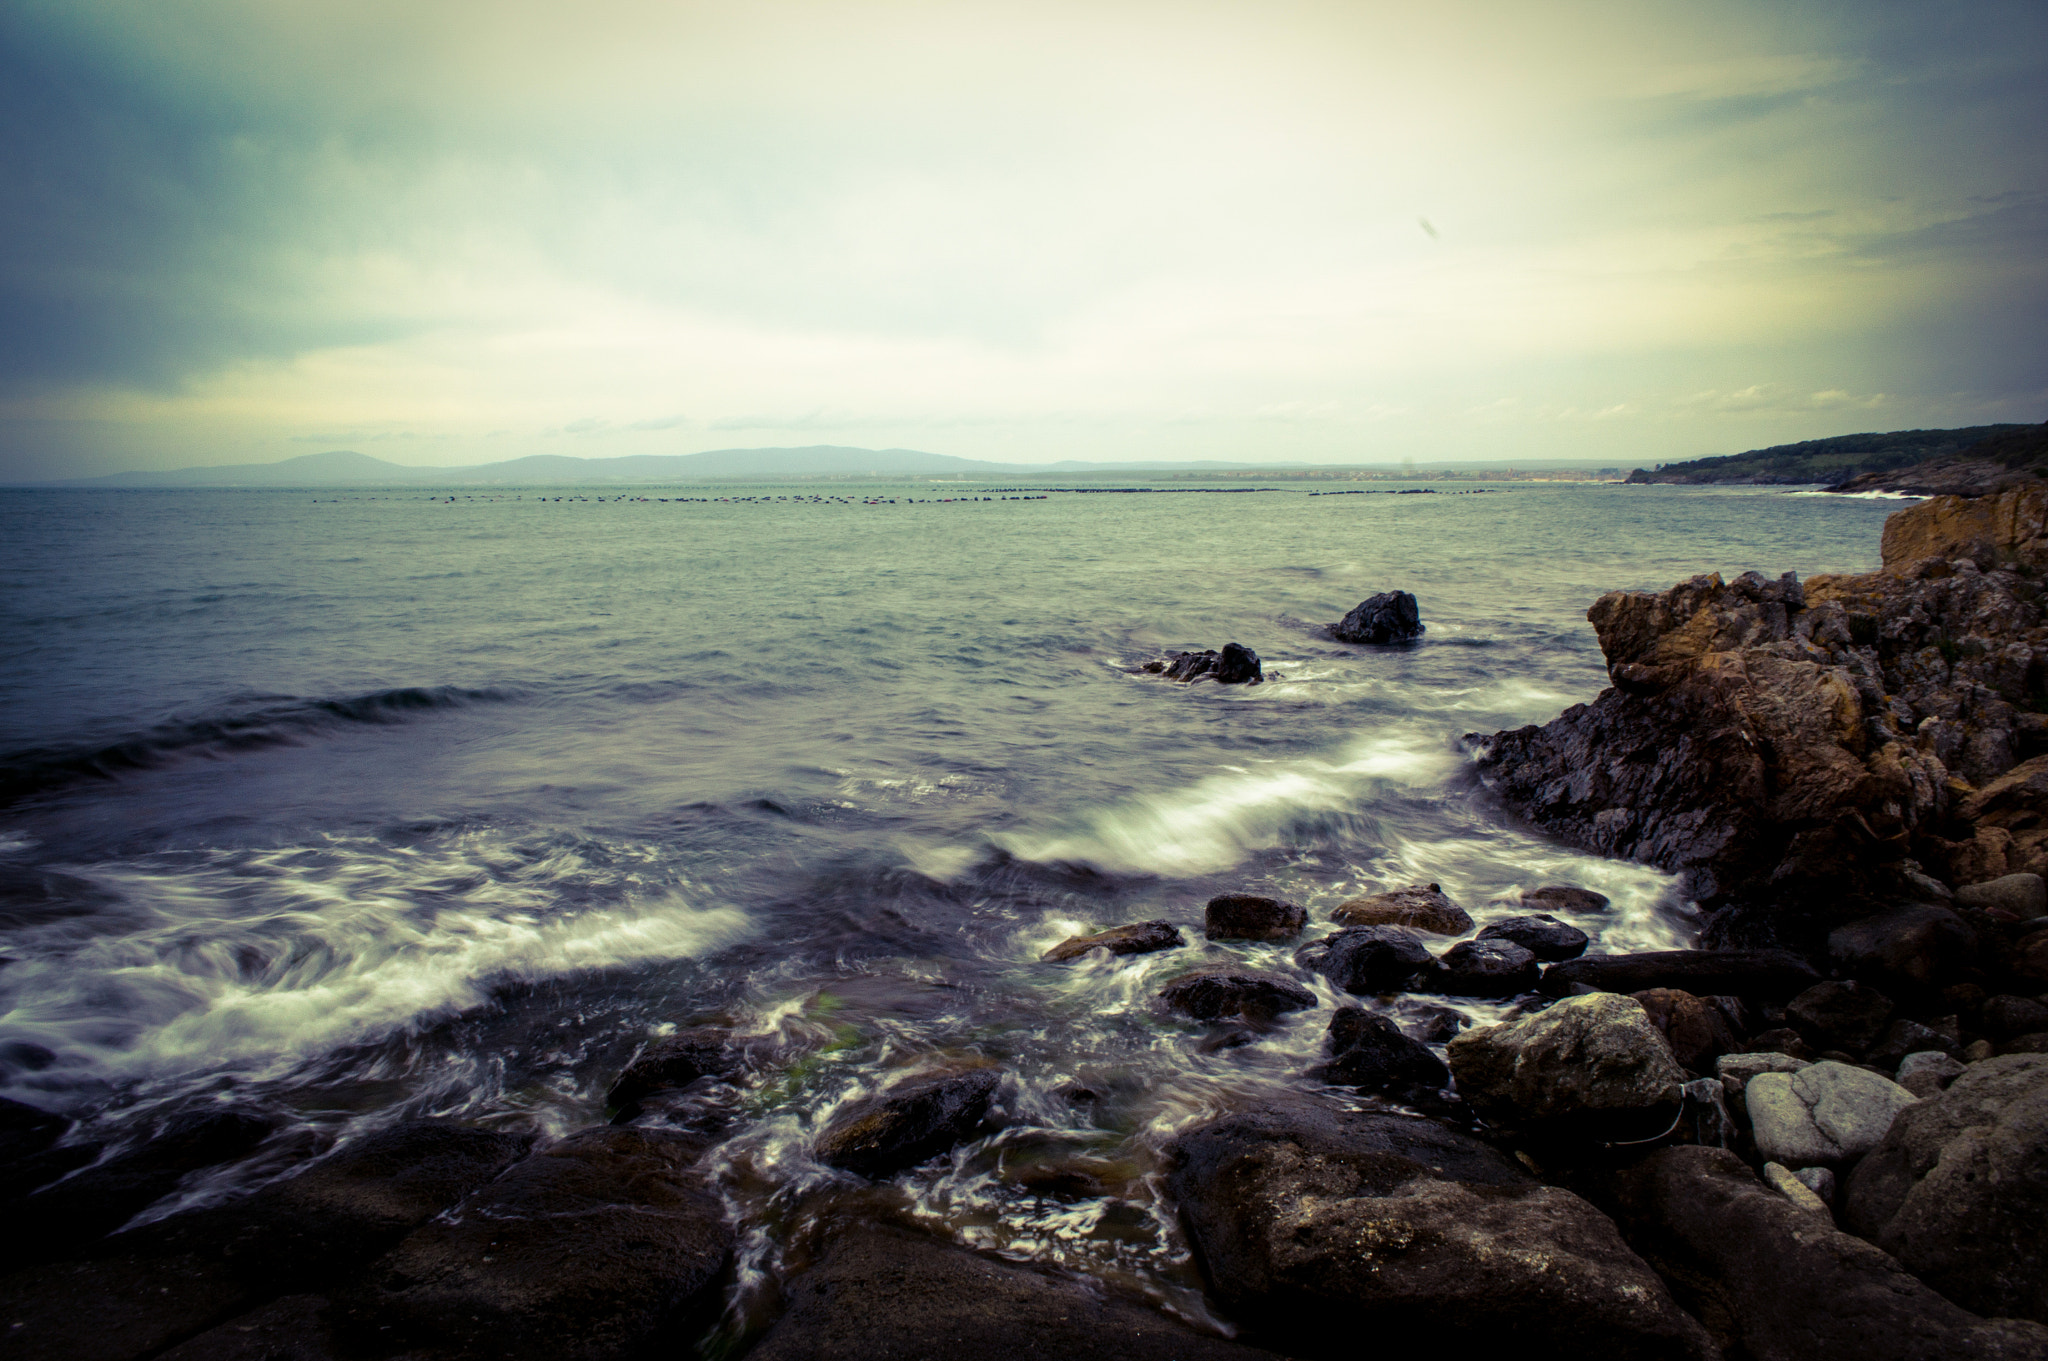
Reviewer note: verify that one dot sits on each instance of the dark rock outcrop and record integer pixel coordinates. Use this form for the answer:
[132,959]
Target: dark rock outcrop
[1389,617]
[1247,916]
[1369,1052]
[675,1061]
[1367,960]
[911,1120]
[1774,1282]
[1421,907]
[1767,975]
[1226,992]
[1318,1228]
[1592,1064]
[1542,935]
[1235,665]
[1139,939]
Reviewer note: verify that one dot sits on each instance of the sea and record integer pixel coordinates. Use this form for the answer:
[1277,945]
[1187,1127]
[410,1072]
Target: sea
[358,806]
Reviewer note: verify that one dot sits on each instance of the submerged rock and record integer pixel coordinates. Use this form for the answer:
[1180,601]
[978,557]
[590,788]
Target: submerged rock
[675,1061]
[1542,935]
[1318,1228]
[1827,1112]
[1235,665]
[910,1121]
[1369,1052]
[1485,968]
[1225,992]
[1585,1062]
[1564,898]
[1421,907]
[1389,617]
[1142,938]
[1247,916]
[1367,960]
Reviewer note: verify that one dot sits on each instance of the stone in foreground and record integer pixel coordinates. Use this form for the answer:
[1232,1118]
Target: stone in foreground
[1825,1113]
[1586,1062]
[1140,939]
[1247,916]
[917,1118]
[1369,1052]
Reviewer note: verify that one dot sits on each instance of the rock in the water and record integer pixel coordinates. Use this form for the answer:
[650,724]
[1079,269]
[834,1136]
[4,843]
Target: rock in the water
[879,1294]
[676,1061]
[1226,992]
[910,1121]
[1696,1028]
[1840,1015]
[1768,975]
[1564,898]
[1430,1022]
[1776,1283]
[1247,916]
[1917,945]
[1593,1062]
[1485,968]
[1139,939]
[1369,1052]
[1827,1112]
[1367,960]
[587,1249]
[1389,617]
[2024,896]
[1957,1189]
[1235,665]
[1923,1074]
[1541,934]
[1321,1228]
[1421,907]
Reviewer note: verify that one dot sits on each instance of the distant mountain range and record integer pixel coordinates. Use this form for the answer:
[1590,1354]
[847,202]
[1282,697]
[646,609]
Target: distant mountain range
[346,467]
[1824,461]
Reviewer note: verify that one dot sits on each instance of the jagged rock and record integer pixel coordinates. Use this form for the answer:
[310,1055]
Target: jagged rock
[1389,617]
[2024,896]
[1369,1052]
[1139,939]
[1247,916]
[1912,946]
[1485,968]
[1224,992]
[909,1121]
[1696,1028]
[1367,960]
[676,1061]
[1768,975]
[1318,1228]
[882,1294]
[1957,1189]
[1421,907]
[1235,665]
[1840,1015]
[1542,935]
[1827,1112]
[1775,1283]
[1928,1072]
[1591,1061]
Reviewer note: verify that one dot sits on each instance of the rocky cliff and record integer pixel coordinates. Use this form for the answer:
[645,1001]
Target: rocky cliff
[1793,748]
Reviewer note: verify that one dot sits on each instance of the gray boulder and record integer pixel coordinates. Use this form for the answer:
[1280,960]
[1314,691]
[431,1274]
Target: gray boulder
[1929,1071]
[1389,617]
[1773,1282]
[1326,1230]
[1958,1188]
[2023,895]
[1592,1061]
[1826,1112]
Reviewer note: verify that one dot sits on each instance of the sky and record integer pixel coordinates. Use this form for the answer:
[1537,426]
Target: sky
[457,232]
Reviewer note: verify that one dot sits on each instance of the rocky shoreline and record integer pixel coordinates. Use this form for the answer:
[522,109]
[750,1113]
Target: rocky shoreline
[1823,1135]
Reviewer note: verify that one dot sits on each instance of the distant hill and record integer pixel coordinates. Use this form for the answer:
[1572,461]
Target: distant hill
[1824,462]
[2016,455]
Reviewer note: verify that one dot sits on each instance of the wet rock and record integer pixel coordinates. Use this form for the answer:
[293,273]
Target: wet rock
[27,1129]
[1369,1052]
[1696,1028]
[1924,1074]
[1541,934]
[589,1248]
[1957,1189]
[2024,896]
[1420,907]
[1139,939]
[1235,665]
[1564,898]
[1840,1015]
[881,1294]
[1485,968]
[1226,992]
[1389,617]
[1247,916]
[909,1121]
[1915,946]
[295,1328]
[1762,975]
[1826,1112]
[1590,1063]
[1367,960]
[1430,1022]
[2008,1015]
[1318,1227]
[1775,1283]
[675,1061]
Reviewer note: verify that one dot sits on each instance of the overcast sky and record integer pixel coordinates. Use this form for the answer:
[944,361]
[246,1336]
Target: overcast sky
[444,232]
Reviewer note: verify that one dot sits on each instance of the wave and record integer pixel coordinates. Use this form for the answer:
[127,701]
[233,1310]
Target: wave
[284,721]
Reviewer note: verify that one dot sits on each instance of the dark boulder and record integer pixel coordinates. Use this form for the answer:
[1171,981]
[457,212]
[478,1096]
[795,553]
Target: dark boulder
[1697,1028]
[1247,916]
[1367,960]
[912,1120]
[1235,665]
[1564,898]
[676,1061]
[1541,934]
[1389,617]
[1912,1037]
[1369,1052]
[1840,1015]
[2006,1015]
[1320,1228]
[1226,992]
[588,1249]
[1775,1282]
[1140,939]
[1760,975]
[881,1294]
[1484,968]
[1591,1065]
[1913,947]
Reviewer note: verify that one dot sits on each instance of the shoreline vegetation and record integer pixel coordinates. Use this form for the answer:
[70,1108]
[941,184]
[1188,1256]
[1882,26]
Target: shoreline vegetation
[1972,461]
[1822,1134]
